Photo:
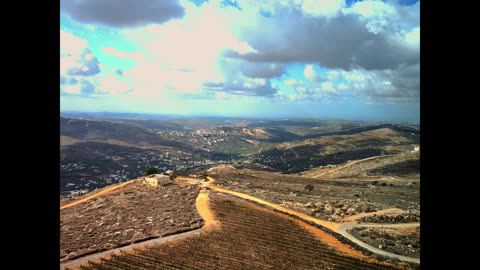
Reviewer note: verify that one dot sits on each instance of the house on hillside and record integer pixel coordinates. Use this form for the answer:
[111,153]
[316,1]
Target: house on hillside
[157,179]
[416,148]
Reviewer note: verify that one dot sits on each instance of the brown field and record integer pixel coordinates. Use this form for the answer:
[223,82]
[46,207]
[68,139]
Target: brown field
[330,199]
[249,237]
[126,215]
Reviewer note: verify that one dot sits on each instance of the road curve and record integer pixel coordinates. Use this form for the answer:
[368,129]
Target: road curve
[343,230]
[203,208]
[334,226]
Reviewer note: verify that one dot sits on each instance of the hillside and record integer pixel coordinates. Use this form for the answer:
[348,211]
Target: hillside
[98,152]
[298,156]
[268,241]
[103,131]
[330,198]
[282,223]
[130,214]
[399,165]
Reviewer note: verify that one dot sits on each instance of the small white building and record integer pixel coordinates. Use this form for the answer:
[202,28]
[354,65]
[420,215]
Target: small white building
[157,179]
[416,148]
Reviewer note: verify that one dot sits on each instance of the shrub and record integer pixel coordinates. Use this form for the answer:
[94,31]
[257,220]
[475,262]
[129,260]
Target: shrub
[151,170]
[309,187]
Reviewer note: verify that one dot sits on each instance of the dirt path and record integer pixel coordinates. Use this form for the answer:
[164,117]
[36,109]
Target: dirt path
[203,208]
[75,264]
[331,225]
[389,211]
[102,192]
[347,165]
[211,223]
[334,226]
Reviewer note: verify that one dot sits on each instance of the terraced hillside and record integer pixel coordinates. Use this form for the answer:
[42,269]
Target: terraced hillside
[250,237]
[132,213]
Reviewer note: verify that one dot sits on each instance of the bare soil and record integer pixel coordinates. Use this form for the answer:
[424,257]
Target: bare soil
[130,214]
[250,238]
[330,199]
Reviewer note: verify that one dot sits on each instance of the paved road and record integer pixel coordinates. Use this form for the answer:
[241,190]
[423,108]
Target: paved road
[211,224]
[334,226]
[343,230]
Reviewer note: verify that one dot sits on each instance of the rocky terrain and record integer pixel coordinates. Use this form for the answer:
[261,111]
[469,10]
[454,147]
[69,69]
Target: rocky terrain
[396,218]
[130,214]
[332,199]
[399,241]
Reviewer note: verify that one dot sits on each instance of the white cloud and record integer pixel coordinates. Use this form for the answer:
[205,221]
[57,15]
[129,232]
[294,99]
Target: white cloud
[71,48]
[71,44]
[376,13]
[327,86]
[342,86]
[137,56]
[222,53]
[413,37]
[309,73]
[333,74]
[322,7]
[71,89]
[75,56]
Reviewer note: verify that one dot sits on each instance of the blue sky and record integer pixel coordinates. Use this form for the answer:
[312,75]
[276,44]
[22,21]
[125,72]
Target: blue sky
[272,58]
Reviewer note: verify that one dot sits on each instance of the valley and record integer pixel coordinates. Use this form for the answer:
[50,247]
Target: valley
[346,197]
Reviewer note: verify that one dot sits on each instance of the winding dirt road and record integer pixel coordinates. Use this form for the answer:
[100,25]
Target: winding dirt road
[202,204]
[211,223]
[334,226]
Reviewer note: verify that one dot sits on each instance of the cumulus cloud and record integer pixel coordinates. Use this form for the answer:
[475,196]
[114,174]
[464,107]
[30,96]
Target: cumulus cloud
[261,70]
[124,55]
[70,85]
[249,87]
[399,85]
[310,73]
[123,13]
[75,56]
[343,41]
[369,50]
[311,91]
[339,42]
[322,7]
[86,65]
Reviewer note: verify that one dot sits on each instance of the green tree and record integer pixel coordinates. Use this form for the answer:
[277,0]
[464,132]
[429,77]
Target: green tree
[151,170]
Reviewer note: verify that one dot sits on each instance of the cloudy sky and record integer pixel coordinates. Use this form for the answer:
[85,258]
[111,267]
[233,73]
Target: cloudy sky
[270,58]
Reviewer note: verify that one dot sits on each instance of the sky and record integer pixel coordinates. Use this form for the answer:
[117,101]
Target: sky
[271,58]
